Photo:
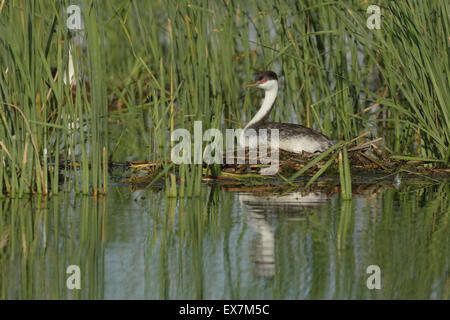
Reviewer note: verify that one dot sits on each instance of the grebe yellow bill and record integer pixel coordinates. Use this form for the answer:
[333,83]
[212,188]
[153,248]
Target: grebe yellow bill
[292,137]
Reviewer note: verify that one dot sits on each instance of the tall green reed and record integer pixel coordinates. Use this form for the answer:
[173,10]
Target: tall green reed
[163,65]
[411,53]
[43,119]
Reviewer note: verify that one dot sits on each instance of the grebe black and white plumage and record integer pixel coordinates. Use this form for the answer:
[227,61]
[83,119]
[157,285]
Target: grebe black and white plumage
[292,137]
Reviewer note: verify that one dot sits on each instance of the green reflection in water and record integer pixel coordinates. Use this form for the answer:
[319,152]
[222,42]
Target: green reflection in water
[40,239]
[228,245]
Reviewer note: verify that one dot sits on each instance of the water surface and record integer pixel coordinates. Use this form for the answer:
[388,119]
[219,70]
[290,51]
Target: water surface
[228,245]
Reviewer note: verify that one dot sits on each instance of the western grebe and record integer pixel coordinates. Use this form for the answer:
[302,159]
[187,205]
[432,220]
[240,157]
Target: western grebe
[292,137]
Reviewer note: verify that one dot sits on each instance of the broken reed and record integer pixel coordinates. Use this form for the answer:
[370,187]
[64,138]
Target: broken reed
[163,65]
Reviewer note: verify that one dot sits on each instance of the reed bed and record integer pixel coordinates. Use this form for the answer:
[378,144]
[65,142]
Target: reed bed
[146,68]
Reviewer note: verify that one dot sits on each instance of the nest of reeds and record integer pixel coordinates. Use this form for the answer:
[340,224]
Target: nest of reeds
[368,156]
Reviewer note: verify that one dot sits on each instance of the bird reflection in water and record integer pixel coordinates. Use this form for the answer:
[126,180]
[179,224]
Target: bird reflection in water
[258,209]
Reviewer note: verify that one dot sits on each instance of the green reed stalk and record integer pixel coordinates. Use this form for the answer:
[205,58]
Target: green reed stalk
[96,70]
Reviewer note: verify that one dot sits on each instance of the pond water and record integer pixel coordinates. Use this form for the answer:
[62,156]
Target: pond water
[224,244]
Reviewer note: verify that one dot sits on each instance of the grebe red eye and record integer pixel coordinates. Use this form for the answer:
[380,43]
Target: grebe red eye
[262,80]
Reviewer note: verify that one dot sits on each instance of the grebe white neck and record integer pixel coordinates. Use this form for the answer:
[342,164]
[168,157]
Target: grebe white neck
[271,88]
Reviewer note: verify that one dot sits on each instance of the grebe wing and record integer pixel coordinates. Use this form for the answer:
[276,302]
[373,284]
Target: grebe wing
[290,130]
[297,138]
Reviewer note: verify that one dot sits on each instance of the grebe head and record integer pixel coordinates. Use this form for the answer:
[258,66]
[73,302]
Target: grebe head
[267,80]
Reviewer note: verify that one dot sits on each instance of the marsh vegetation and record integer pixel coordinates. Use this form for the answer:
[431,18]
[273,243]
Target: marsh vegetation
[145,68]
[86,175]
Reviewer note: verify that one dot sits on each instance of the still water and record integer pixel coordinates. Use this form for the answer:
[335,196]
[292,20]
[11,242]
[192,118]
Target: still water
[227,244]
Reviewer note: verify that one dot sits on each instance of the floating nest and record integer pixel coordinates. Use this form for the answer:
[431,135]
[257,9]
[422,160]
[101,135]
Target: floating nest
[368,158]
